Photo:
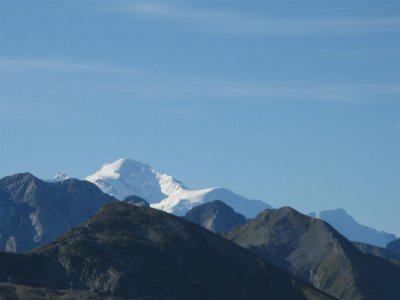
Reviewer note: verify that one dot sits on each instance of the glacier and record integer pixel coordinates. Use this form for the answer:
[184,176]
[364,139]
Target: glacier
[126,177]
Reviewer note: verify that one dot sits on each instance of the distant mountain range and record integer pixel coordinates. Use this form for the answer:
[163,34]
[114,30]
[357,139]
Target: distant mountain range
[126,177]
[126,251]
[34,212]
[352,230]
[127,248]
[219,217]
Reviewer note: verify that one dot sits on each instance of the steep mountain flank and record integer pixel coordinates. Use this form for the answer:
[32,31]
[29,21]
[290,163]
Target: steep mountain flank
[378,251]
[34,212]
[142,253]
[314,251]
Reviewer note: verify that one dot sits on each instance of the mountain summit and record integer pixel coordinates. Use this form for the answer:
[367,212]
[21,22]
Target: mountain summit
[314,251]
[126,177]
[59,177]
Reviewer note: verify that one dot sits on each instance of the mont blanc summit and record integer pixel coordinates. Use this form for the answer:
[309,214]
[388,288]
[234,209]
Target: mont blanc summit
[126,177]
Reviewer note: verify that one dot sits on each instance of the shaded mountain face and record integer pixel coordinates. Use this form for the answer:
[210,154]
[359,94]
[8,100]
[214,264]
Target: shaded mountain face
[215,216]
[142,253]
[135,200]
[378,251]
[314,251]
[34,212]
[352,230]
[394,246]
[126,177]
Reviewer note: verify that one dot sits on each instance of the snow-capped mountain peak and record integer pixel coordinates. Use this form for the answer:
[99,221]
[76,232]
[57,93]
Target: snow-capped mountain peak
[126,177]
[59,177]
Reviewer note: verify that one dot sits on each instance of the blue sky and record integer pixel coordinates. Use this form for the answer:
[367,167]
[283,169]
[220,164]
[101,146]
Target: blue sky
[293,102]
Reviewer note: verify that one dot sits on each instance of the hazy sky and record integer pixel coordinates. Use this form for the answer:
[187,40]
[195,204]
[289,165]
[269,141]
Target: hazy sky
[293,102]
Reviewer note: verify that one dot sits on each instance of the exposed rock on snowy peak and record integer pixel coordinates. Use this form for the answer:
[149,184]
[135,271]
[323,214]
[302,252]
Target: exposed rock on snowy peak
[352,230]
[59,177]
[126,177]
